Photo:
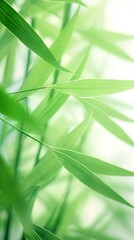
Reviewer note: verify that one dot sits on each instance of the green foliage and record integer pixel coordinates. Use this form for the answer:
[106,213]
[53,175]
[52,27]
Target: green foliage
[19,27]
[56,148]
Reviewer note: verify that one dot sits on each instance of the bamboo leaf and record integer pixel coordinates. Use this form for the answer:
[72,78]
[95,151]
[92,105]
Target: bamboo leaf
[108,123]
[96,165]
[93,87]
[25,33]
[87,177]
[46,169]
[45,109]
[41,70]
[108,109]
[86,88]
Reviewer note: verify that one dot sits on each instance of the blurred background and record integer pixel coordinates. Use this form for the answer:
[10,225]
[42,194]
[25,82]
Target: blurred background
[80,210]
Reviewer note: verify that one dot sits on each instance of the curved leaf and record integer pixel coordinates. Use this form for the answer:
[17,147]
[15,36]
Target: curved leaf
[108,110]
[25,33]
[101,117]
[87,177]
[41,70]
[98,166]
[49,166]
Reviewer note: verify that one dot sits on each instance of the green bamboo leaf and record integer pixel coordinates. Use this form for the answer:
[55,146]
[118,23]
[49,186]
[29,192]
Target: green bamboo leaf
[100,40]
[112,126]
[46,169]
[41,70]
[108,109]
[93,87]
[46,109]
[71,139]
[11,108]
[25,33]
[98,166]
[87,177]
[102,117]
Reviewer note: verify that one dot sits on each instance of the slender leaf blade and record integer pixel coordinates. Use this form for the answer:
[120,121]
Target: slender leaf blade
[87,88]
[49,166]
[45,109]
[41,70]
[88,177]
[25,33]
[109,124]
[98,166]
[108,110]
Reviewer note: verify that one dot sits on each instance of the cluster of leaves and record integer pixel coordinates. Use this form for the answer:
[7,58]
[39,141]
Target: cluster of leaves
[47,79]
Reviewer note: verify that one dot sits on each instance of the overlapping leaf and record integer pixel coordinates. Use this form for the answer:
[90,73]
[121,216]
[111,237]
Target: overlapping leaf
[45,109]
[49,166]
[23,31]
[107,122]
[86,88]
[108,109]
[41,70]
[96,165]
[86,176]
